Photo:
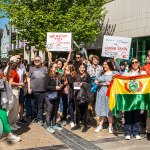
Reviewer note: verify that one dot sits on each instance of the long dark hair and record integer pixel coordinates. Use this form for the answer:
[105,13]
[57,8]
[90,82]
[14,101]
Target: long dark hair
[60,61]
[110,64]
[51,74]
[83,64]
[78,77]
[130,65]
[72,72]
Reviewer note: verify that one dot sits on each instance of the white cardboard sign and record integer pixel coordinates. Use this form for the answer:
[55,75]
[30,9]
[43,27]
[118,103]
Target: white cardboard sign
[59,41]
[116,46]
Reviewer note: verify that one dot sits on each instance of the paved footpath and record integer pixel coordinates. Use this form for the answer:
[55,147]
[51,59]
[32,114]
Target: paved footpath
[35,137]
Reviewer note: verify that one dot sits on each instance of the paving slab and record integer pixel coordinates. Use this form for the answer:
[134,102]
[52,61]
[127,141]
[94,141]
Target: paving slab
[34,137]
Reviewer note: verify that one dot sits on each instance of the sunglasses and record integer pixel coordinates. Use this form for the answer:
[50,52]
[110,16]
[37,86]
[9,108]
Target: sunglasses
[78,57]
[36,60]
[134,62]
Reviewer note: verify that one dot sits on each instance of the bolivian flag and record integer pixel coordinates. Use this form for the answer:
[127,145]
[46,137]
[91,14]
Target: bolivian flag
[129,93]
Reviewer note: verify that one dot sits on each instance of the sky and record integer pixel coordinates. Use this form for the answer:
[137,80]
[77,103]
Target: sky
[3,21]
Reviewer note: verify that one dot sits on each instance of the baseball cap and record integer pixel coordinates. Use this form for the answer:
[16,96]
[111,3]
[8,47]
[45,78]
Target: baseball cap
[13,59]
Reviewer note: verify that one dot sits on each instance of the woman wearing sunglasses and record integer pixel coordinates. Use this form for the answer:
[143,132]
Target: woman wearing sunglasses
[133,117]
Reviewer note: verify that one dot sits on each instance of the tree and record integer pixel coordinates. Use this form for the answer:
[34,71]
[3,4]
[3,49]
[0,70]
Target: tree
[35,18]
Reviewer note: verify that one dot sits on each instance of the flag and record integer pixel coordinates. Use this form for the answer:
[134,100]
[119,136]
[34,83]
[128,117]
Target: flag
[129,93]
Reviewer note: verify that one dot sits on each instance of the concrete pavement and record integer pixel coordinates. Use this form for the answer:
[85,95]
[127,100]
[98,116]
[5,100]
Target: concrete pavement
[35,137]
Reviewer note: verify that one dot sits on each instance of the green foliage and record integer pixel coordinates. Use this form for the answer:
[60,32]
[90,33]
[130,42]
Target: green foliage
[34,18]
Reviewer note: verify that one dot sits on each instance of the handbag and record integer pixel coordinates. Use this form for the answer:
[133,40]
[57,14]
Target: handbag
[2,86]
[53,95]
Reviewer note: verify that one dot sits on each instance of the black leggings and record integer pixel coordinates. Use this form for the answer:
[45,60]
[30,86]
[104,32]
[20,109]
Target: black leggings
[51,111]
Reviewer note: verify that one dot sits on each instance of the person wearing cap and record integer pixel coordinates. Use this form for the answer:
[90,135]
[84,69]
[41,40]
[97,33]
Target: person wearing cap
[13,78]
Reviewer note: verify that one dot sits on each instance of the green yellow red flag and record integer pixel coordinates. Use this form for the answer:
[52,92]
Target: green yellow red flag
[129,93]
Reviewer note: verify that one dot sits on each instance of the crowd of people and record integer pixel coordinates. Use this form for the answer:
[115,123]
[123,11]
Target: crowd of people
[40,90]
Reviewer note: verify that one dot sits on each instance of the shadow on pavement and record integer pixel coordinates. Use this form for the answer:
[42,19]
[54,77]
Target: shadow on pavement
[55,147]
[23,129]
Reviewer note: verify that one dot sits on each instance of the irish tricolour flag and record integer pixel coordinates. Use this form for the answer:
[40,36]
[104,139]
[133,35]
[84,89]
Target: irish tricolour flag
[129,93]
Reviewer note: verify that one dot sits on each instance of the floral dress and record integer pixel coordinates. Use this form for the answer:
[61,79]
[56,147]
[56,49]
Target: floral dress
[101,107]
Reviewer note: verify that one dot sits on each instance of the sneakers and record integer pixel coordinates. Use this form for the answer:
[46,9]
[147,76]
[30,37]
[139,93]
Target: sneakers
[16,126]
[13,128]
[99,128]
[64,123]
[138,137]
[34,121]
[56,127]
[72,124]
[13,138]
[22,121]
[50,130]
[76,127]
[40,123]
[127,137]
[84,129]
[110,130]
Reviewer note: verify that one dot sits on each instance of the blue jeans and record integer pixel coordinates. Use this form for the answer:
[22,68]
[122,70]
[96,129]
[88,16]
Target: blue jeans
[132,122]
[68,104]
[28,105]
[51,113]
[61,104]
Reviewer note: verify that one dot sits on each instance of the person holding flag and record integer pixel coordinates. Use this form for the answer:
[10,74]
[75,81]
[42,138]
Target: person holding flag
[130,93]
[133,117]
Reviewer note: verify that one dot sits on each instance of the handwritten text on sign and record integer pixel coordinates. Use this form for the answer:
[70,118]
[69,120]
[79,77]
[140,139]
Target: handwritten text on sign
[116,46]
[58,41]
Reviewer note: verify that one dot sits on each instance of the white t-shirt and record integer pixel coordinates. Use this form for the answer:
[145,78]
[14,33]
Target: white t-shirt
[134,73]
[21,73]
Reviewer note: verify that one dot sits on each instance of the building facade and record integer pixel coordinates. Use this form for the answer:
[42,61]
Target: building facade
[132,19]
[5,42]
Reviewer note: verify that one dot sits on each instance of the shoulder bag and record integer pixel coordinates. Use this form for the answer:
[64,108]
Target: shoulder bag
[53,95]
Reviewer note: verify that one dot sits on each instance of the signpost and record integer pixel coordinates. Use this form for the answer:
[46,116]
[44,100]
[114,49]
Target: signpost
[116,46]
[59,41]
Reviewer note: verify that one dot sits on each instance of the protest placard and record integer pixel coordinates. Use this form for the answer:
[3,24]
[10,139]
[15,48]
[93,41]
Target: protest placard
[59,41]
[116,46]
